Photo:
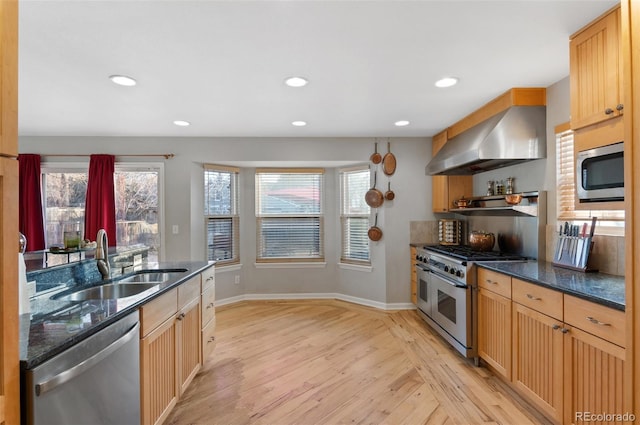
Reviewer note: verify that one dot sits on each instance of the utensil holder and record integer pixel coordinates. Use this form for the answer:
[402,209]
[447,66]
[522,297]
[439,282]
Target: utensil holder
[573,252]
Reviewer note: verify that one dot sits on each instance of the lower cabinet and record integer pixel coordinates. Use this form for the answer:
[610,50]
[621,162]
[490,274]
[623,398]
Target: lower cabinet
[172,346]
[494,331]
[537,359]
[556,350]
[414,276]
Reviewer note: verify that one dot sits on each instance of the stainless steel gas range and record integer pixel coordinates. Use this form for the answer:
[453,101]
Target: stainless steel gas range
[447,291]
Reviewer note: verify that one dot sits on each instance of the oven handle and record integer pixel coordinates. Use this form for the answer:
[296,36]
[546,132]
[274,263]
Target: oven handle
[422,267]
[448,281]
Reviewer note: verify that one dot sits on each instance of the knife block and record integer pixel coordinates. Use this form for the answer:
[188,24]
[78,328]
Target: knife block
[573,252]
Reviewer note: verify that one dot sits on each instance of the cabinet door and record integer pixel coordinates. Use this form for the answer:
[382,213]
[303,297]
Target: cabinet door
[9,78]
[158,373]
[188,346]
[494,331]
[595,72]
[208,339]
[594,377]
[537,359]
[446,189]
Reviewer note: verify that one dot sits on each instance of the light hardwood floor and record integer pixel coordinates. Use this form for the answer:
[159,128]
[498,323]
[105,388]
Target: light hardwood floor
[332,362]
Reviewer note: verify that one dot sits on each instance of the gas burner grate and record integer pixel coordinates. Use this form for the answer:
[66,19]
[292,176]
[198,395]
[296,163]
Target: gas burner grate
[468,254]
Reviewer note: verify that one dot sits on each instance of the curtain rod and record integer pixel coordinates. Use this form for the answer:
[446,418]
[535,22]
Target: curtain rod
[165,155]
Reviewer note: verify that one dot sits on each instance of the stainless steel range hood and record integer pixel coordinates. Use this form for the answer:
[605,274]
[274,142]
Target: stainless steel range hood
[515,135]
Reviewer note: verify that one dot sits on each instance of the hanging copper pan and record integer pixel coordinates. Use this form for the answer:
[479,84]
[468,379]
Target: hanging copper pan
[389,195]
[374,198]
[374,233]
[376,158]
[389,161]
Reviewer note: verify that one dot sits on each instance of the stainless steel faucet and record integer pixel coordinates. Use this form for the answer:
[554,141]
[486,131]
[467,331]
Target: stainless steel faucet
[102,254]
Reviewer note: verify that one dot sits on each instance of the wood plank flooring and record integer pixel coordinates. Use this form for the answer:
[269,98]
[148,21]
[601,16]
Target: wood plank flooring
[331,362]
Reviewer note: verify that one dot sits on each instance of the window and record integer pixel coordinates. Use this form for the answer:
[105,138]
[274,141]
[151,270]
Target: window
[289,215]
[221,214]
[137,192]
[354,215]
[565,179]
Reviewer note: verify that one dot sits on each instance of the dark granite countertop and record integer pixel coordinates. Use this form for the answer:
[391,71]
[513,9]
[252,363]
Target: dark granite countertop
[605,289]
[55,325]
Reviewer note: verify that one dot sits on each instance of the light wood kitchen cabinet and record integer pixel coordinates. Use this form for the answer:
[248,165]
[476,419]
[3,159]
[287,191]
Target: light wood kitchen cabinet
[159,389]
[414,276]
[594,378]
[188,347]
[208,336]
[446,189]
[537,366]
[9,78]
[595,73]
[494,321]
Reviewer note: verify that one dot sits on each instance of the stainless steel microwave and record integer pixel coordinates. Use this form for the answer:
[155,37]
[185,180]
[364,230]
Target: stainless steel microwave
[600,174]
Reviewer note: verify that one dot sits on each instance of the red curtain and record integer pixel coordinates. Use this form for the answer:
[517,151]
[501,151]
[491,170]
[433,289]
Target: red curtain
[31,222]
[100,207]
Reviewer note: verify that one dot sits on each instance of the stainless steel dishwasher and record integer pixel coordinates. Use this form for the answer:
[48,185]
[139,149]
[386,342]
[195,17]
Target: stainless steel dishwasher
[97,381]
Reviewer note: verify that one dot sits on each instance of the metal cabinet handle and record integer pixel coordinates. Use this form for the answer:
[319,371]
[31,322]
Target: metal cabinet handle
[531,297]
[209,278]
[181,316]
[564,330]
[597,322]
[620,107]
[211,339]
[491,281]
[555,327]
[210,305]
[608,111]
[87,364]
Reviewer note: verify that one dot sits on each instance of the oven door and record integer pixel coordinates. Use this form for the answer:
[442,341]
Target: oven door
[424,297]
[451,308]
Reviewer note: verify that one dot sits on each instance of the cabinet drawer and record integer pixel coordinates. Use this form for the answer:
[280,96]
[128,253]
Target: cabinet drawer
[208,340]
[605,322]
[208,305]
[188,291]
[494,282]
[154,313]
[208,278]
[544,300]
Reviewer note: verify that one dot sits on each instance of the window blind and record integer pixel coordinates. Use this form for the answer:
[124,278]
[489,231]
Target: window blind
[565,179]
[354,215]
[222,222]
[289,214]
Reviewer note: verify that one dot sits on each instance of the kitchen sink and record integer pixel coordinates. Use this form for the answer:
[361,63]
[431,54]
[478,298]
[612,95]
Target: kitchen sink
[109,291]
[157,276]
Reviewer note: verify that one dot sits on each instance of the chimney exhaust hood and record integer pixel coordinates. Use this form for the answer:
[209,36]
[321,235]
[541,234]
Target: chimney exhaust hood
[514,135]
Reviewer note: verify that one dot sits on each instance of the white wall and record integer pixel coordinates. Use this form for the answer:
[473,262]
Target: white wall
[387,282]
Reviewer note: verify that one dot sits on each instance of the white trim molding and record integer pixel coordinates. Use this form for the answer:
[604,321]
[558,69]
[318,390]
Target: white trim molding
[356,267]
[316,296]
[292,265]
[229,268]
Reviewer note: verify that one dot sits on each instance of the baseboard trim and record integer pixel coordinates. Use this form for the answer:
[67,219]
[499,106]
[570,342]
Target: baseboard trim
[316,296]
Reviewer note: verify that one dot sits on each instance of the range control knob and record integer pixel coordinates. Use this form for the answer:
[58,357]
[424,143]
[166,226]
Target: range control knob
[452,270]
[446,269]
[459,273]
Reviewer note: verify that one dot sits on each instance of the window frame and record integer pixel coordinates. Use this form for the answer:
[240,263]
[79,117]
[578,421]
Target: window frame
[234,216]
[260,217]
[78,167]
[343,217]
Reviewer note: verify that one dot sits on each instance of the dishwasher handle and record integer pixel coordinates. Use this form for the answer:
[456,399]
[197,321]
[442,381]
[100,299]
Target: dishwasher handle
[85,365]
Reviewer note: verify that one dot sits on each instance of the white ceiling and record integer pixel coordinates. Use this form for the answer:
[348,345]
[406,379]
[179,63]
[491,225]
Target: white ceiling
[221,64]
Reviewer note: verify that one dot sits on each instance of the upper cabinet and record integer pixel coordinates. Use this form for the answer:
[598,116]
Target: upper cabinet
[446,189]
[9,78]
[596,72]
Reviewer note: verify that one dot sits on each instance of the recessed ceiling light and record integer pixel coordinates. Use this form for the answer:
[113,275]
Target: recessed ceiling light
[299,123]
[296,82]
[401,123]
[181,123]
[123,80]
[447,82]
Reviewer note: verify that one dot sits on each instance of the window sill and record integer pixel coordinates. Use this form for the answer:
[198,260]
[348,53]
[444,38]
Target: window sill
[292,265]
[229,268]
[356,267]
